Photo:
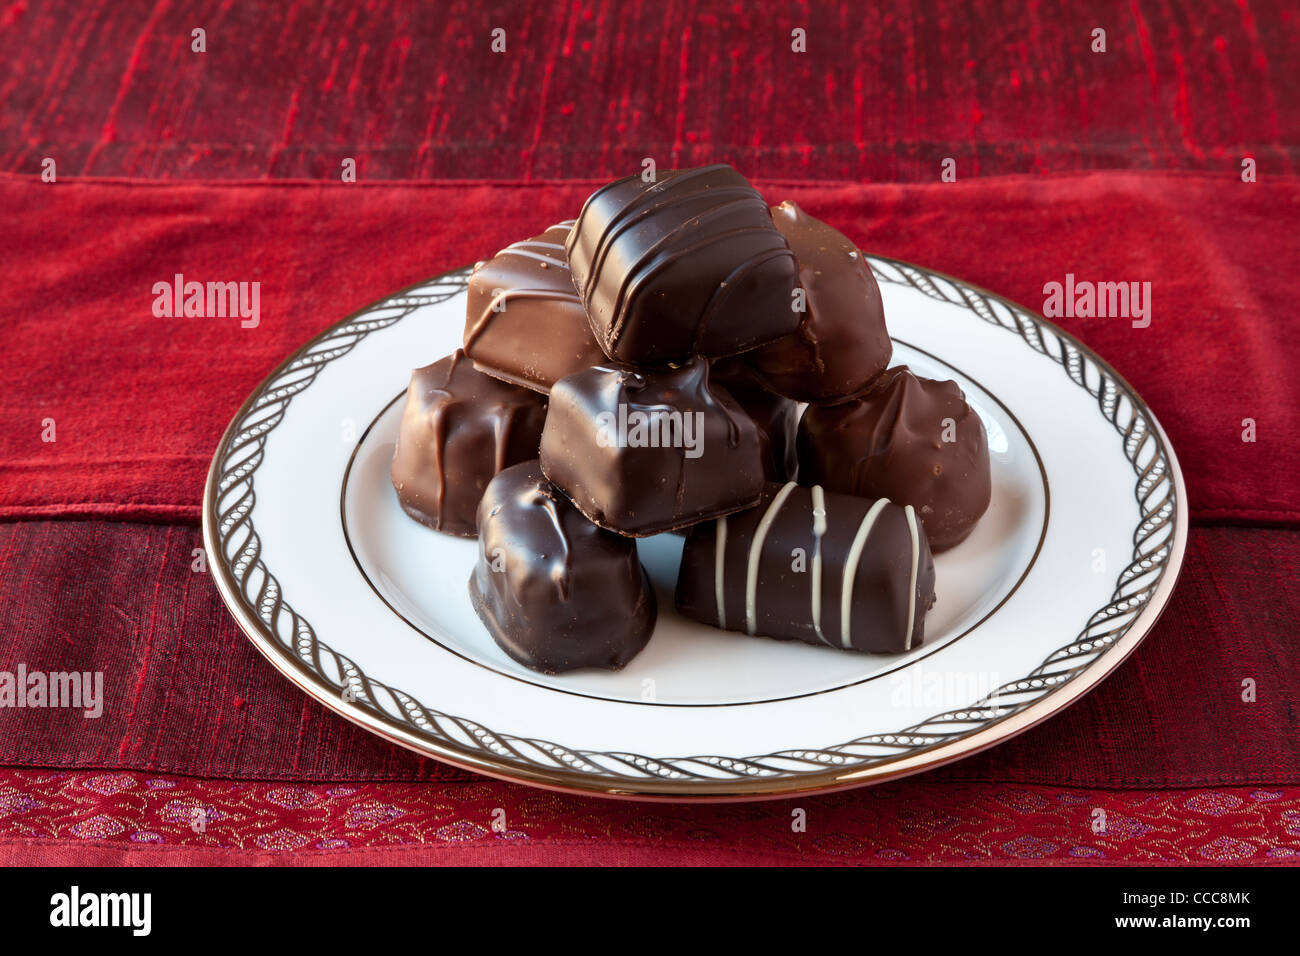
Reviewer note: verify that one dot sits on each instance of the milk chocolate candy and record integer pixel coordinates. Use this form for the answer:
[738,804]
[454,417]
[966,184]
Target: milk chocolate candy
[777,418]
[841,344]
[645,451]
[554,591]
[459,428]
[524,321]
[813,566]
[687,264]
[913,440]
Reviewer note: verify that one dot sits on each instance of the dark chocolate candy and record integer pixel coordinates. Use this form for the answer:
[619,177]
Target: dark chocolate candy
[524,321]
[842,344]
[688,264]
[645,451]
[814,566]
[913,440]
[777,418]
[554,591]
[459,428]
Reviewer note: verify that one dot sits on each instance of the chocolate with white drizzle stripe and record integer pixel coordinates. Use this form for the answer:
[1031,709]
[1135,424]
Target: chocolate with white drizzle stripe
[815,566]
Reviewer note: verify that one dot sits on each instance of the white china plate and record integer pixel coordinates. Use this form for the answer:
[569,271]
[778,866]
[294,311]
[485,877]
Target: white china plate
[368,611]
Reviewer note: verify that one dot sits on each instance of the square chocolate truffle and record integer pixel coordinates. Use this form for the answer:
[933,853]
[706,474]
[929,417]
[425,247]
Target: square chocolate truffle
[459,428]
[643,451]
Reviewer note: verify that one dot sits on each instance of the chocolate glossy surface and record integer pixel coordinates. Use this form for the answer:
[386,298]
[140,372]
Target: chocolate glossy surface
[554,591]
[459,428]
[524,320]
[813,566]
[911,439]
[645,451]
[841,344]
[687,264]
[776,417]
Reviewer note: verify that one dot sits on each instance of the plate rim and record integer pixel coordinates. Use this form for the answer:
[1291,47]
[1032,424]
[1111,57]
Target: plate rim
[748,784]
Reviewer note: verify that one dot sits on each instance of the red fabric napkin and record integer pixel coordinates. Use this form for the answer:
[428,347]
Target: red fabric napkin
[139,402]
[187,694]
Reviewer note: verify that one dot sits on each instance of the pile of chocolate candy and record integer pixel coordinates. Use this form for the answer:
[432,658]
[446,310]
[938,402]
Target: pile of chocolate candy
[642,370]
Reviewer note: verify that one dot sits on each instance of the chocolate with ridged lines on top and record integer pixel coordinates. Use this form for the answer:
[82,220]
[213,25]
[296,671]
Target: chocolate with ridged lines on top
[689,263]
[459,428]
[524,320]
[554,591]
[810,565]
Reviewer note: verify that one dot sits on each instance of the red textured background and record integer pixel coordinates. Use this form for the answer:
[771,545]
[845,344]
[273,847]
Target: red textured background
[1123,165]
[586,90]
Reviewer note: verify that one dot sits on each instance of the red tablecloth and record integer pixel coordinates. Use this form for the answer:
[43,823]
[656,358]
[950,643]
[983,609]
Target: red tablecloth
[224,164]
